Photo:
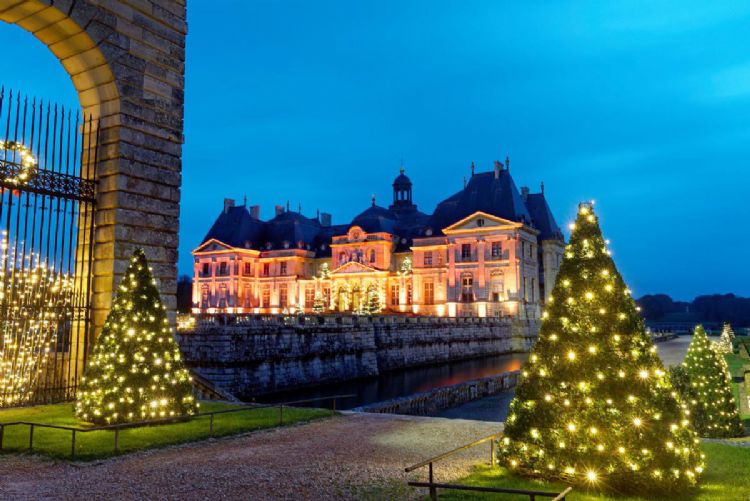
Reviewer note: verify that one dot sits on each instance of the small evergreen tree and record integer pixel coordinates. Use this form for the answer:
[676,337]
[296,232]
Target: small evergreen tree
[725,343]
[325,271]
[713,407]
[135,370]
[594,405]
[318,305]
[372,301]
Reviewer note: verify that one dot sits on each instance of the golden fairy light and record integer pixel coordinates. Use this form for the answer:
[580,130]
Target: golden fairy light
[27,161]
[594,405]
[135,371]
[35,300]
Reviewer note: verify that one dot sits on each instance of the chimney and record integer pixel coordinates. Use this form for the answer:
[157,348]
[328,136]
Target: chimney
[325,219]
[255,212]
[279,209]
[542,187]
[228,202]
[525,193]
[498,168]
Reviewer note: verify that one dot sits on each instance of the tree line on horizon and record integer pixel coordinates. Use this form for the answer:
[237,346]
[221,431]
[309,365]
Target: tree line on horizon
[703,309]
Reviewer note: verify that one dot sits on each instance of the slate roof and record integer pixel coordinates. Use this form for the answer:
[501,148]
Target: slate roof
[542,217]
[237,228]
[496,196]
[289,229]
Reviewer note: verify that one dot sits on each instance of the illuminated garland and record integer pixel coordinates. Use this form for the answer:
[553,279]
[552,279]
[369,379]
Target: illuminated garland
[594,405]
[135,370]
[714,409]
[34,301]
[28,162]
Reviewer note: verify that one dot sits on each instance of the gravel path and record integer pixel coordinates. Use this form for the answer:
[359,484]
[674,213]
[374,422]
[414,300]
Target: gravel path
[354,456]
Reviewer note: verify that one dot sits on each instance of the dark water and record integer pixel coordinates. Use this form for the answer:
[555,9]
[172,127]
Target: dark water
[400,383]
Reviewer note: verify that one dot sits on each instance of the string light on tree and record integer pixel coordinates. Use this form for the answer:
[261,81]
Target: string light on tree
[605,410]
[135,370]
[713,408]
[35,301]
[373,305]
[725,343]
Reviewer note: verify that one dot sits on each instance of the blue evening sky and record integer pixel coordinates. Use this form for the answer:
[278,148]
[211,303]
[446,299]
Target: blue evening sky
[642,106]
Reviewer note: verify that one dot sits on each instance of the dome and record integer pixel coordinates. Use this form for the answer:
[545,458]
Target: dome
[375,219]
[402,181]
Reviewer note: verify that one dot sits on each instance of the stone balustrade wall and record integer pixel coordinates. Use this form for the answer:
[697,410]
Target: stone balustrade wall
[255,355]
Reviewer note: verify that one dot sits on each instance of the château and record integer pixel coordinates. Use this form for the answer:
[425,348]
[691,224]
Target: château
[487,250]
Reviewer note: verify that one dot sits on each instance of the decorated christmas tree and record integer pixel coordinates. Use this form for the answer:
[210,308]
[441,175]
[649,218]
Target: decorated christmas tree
[713,406]
[135,371]
[725,345]
[594,405]
[372,300]
[318,305]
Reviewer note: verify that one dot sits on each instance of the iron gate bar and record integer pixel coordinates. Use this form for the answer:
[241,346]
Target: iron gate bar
[48,219]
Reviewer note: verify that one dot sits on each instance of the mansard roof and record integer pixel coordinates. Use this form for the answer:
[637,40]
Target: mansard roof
[542,217]
[489,192]
[291,229]
[486,192]
[237,228]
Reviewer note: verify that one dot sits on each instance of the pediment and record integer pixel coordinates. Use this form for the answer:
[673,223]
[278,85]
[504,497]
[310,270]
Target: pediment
[480,221]
[213,245]
[353,267]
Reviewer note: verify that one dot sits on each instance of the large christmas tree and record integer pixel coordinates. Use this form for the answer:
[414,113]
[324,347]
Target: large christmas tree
[594,405]
[712,403]
[135,370]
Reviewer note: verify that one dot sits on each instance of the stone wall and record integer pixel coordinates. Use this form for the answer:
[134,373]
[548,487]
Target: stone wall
[263,354]
[430,402]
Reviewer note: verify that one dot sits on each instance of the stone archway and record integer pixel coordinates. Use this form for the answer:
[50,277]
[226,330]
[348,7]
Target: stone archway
[126,60]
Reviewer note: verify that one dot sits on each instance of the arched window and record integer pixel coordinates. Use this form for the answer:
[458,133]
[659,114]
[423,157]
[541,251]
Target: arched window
[342,257]
[372,255]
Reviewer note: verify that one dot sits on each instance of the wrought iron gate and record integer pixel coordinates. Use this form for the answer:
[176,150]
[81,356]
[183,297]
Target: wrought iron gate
[47,196]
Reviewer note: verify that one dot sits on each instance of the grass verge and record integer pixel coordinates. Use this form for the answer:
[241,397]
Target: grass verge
[100,444]
[723,479]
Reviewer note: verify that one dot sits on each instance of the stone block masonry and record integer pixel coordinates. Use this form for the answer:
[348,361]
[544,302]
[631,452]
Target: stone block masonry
[252,356]
[126,60]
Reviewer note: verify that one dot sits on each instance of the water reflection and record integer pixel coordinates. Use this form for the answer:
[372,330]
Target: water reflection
[403,382]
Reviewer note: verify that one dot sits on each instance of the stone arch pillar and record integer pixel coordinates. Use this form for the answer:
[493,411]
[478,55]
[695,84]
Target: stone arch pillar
[126,60]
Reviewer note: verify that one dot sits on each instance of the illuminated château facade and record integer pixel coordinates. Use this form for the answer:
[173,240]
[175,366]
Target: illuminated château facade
[488,250]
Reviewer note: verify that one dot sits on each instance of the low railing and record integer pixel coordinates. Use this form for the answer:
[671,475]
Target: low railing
[434,486]
[335,319]
[117,427]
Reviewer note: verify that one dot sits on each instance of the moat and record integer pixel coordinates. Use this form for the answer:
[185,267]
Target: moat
[403,382]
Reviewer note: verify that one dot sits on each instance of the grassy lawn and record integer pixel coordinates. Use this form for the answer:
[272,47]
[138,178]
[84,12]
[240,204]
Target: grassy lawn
[736,363]
[100,444]
[725,478]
